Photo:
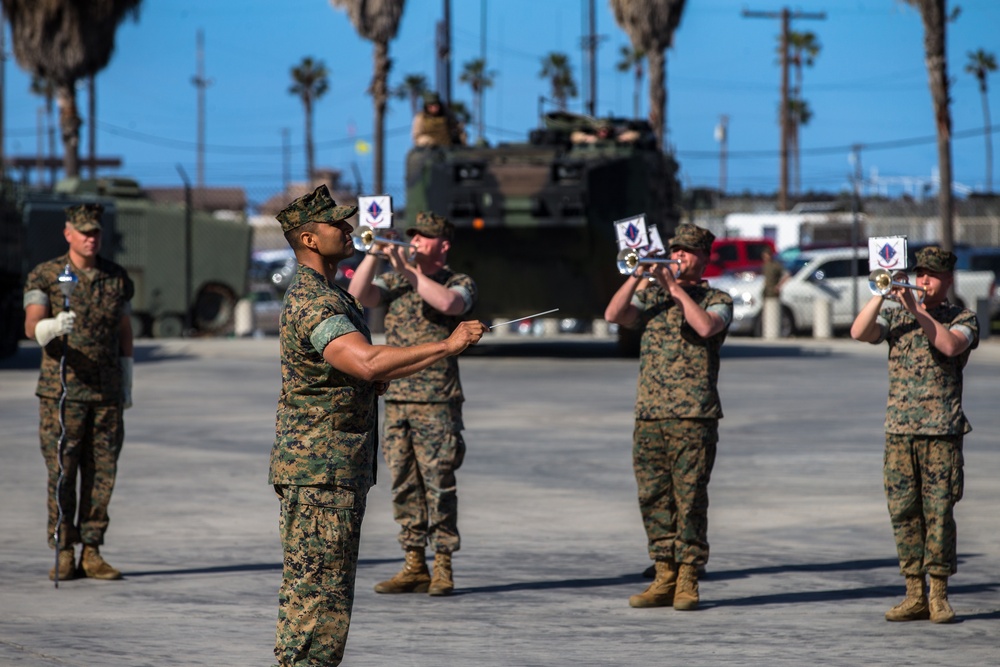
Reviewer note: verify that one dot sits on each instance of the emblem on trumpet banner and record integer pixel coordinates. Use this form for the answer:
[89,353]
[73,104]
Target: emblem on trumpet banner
[887,252]
[632,233]
[375,211]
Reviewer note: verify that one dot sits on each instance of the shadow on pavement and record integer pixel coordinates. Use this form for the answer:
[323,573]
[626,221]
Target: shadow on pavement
[838,595]
[247,567]
[568,348]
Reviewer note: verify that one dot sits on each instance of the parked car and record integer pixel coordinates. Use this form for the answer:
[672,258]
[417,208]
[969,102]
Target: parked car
[266,307]
[824,274]
[278,267]
[732,255]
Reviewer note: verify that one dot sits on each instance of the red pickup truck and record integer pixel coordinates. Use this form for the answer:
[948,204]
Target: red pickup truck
[735,254]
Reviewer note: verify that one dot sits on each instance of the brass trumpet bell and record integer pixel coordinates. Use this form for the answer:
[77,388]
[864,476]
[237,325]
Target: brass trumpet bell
[881,282]
[629,261]
[365,239]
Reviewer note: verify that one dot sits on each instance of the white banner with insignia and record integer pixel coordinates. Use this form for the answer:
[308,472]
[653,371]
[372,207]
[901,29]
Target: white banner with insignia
[632,233]
[887,252]
[375,211]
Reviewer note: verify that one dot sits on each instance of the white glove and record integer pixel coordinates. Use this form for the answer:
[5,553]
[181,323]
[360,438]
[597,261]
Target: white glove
[126,363]
[52,327]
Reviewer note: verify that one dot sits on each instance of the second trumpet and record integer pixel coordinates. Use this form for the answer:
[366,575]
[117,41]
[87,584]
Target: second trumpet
[881,282]
[629,261]
[365,239]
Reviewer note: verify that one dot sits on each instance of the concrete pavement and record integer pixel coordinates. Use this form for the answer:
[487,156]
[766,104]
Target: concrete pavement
[802,569]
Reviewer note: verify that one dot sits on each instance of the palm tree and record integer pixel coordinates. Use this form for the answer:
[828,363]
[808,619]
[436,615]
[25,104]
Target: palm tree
[44,88]
[803,47]
[632,59]
[934,15]
[413,87]
[475,74]
[377,21]
[310,81]
[980,65]
[650,24]
[555,68]
[460,112]
[63,41]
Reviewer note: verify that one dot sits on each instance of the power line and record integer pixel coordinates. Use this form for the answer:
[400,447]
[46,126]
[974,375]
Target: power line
[846,148]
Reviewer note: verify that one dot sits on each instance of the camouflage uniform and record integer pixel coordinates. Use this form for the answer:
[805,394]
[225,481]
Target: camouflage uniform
[322,462]
[422,437]
[925,426]
[93,407]
[676,420]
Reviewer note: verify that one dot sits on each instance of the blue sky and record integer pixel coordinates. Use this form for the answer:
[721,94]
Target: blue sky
[868,86]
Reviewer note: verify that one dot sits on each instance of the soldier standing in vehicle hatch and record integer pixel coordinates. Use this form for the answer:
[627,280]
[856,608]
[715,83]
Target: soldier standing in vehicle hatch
[422,441]
[677,410]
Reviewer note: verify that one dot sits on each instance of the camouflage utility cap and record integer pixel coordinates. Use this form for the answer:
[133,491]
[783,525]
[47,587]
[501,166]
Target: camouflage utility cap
[935,259]
[318,206]
[430,97]
[690,237]
[85,217]
[432,226]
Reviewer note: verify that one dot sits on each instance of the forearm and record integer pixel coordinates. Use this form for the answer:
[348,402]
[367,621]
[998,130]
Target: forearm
[865,327]
[439,297]
[944,340]
[353,355]
[620,310]
[361,286]
[33,314]
[704,323]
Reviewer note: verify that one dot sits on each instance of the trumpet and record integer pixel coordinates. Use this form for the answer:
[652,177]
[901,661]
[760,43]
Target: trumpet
[365,239]
[881,282]
[629,261]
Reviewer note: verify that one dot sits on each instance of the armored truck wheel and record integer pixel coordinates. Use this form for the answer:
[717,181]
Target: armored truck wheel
[214,309]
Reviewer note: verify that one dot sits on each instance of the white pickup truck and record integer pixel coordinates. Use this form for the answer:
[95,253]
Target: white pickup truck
[827,274]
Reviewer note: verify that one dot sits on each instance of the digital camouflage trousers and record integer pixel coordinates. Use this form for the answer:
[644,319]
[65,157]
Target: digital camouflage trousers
[923,480]
[423,447]
[320,531]
[673,462]
[92,445]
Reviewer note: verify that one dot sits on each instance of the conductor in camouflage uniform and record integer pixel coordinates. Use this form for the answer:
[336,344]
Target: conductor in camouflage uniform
[323,459]
[677,410]
[95,335]
[929,345]
[422,440]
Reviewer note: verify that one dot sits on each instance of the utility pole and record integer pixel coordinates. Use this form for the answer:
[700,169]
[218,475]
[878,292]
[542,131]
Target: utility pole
[286,155]
[201,83]
[590,41]
[722,136]
[3,90]
[855,159]
[786,15]
[92,125]
[481,111]
[444,55]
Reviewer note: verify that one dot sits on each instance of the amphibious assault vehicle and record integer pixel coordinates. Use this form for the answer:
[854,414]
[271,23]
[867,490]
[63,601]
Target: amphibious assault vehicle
[534,220]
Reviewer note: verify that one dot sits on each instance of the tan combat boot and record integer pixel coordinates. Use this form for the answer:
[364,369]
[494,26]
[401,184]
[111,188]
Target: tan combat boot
[660,593]
[67,566]
[95,567]
[413,578]
[941,611]
[914,605]
[686,597]
[442,583]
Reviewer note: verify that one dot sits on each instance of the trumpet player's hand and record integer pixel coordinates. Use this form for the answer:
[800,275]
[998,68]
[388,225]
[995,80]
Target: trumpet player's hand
[397,258]
[467,333]
[664,274]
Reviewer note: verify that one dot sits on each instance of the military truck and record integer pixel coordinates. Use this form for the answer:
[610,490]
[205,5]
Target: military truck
[149,239]
[534,219]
